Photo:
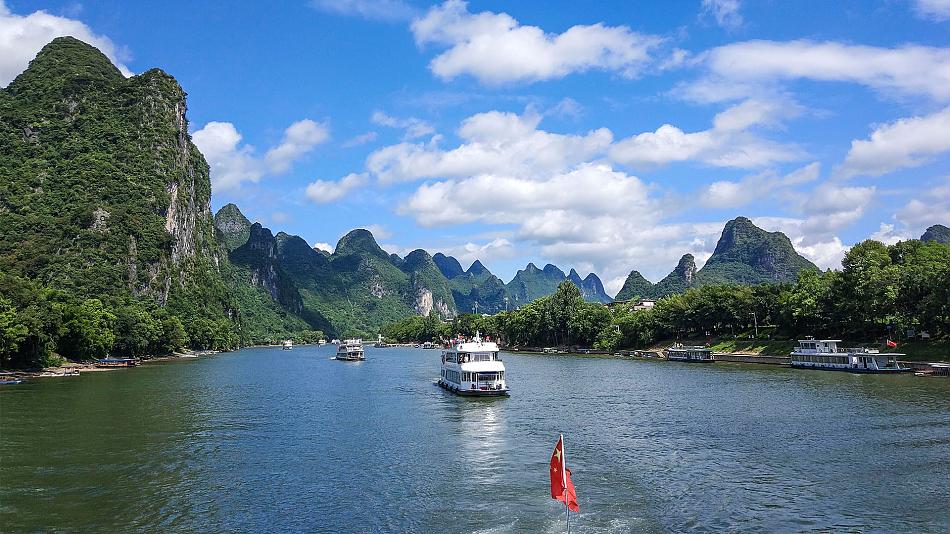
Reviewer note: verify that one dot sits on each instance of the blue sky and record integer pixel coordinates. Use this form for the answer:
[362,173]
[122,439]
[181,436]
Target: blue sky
[606,136]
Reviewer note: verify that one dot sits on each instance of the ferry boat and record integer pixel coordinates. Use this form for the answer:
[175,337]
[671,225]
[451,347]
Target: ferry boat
[473,369]
[825,354]
[350,350]
[287,345]
[680,353]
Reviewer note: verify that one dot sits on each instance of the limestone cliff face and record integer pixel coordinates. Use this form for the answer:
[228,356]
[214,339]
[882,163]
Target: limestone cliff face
[259,256]
[99,172]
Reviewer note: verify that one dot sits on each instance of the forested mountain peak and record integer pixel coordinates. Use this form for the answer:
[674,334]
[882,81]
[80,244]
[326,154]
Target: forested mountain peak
[66,66]
[448,266]
[938,233]
[635,286]
[359,241]
[747,254]
[233,227]
[477,269]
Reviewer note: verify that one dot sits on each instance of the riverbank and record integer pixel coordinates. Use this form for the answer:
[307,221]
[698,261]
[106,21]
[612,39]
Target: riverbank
[75,368]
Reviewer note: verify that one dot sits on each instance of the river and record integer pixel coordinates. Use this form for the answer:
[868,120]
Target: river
[264,440]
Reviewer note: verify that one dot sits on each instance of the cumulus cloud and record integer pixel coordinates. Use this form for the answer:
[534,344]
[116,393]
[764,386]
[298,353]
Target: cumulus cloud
[496,249]
[493,142]
[731,142]
[496,49]
[938,10]
[385,10]
[726,12]
[930,206]
[412,126]
[324,191]
[901,144]
[733,194]
[361,139]
[22,37]
[324,246]
[234,163]
[740,68]
[889,234]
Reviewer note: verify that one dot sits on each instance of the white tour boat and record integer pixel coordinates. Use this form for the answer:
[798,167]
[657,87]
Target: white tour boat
[825,354]
[350,350]
[679,353]
[287,344]
[473,368]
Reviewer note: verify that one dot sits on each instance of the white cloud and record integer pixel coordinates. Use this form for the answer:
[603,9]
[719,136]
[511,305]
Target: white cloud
[361,139]
[938,10]
[496,249]
[931,206]
[412,126]
[279,217]
[494,142]
[379,231]
[386,10]
[323,191]
[233,163]
[733,194]
[324,246]
[729,143]
[726,12]
[909,70]
[22,37]
[827,209]
[904,143]
[496,49]
[888,235]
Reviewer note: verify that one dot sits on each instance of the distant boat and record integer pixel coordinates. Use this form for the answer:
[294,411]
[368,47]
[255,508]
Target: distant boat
[428,345]
[825,354]
[351,350]
[689,354]
[335,342]
[287,345]
[322,342]
[117,362]
[473,369]
[9,378]
[379,342]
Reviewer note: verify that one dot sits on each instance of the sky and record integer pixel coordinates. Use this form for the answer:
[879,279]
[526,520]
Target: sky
[604,136]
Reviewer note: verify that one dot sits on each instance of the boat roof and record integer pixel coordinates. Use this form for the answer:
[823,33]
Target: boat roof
[695,347]
[820,340]
[475,346]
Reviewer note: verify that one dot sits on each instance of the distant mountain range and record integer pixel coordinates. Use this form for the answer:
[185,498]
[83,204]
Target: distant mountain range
[359,287]
[103,195]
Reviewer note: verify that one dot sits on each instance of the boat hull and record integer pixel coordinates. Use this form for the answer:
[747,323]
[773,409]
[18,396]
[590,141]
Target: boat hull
[684,360]
[351,358]
[472,392]
[856,370]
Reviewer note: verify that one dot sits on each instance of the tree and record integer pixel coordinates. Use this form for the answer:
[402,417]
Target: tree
[88,331]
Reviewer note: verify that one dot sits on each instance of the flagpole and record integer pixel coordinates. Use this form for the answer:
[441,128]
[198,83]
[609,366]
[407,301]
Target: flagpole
[567,508]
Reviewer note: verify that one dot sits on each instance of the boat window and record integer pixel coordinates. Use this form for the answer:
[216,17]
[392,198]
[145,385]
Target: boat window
[481,356]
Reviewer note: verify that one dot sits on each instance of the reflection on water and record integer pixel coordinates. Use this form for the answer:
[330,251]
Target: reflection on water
[265,440]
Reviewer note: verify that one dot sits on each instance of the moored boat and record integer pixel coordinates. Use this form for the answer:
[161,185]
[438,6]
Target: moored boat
[117,362]
[825,354]
[680,353]
[350,350]
[473,369]
[287,345]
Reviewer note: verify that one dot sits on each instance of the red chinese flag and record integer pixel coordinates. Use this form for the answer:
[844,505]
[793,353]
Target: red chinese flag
[562,489]
[891,343]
